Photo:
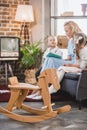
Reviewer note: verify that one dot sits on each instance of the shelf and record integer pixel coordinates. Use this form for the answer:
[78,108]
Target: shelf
[69,17]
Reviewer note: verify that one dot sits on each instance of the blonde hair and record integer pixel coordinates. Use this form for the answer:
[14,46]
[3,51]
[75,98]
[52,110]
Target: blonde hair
[50,36]
[73,26]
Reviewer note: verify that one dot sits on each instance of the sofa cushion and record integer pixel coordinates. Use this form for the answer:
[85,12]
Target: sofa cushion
[72,76]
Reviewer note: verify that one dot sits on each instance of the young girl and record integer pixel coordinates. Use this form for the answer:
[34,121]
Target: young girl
[51,49]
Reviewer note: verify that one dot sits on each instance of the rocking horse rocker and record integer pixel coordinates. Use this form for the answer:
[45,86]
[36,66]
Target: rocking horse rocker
[19,91]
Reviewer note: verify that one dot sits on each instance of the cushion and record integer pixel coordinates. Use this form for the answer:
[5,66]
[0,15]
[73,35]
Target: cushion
[72,76]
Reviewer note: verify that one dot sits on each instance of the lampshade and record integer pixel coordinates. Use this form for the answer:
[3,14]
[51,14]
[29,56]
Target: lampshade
[24,13]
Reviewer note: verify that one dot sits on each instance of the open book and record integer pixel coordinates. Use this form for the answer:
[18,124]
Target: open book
[54,55]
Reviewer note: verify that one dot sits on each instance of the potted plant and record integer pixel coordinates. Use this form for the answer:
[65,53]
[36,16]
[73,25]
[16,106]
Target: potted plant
[31,60]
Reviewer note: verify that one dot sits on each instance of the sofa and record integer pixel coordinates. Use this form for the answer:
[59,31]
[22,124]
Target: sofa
[76,85]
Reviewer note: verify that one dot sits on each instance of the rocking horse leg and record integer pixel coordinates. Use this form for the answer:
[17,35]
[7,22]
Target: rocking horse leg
[45,93]
[46,77]
[13,98]
[21,98]
[46,96]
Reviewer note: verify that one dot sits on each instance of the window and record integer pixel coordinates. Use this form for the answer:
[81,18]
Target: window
[65,10]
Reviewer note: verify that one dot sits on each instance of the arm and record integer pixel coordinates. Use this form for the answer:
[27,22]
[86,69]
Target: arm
[46,52]
[72,65]
[71,54]
[57,51]
[82,62]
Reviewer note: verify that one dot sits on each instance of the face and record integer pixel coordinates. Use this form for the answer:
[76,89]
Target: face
[68,31]
[51,41]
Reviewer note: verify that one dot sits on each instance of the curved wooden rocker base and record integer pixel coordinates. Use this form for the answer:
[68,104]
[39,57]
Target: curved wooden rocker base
[27,118]
[19,92]
[31,119]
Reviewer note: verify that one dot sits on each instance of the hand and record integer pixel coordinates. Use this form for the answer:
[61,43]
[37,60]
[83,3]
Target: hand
[67,65]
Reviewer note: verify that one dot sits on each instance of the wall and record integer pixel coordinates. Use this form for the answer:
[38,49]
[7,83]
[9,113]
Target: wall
[36,26]
[40,28]
[8,25]
[41,25]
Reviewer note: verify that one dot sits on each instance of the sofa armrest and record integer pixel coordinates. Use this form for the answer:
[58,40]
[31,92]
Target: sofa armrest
[82,86]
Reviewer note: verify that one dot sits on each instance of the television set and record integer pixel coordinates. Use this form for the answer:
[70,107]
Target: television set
[9,48]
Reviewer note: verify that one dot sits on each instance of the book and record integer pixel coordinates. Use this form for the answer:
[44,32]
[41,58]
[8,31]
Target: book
[54,55]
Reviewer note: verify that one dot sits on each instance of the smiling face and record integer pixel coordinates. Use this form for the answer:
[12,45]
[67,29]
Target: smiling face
[51,41]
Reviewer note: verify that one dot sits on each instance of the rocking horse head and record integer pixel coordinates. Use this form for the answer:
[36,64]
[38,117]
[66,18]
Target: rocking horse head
[50,77]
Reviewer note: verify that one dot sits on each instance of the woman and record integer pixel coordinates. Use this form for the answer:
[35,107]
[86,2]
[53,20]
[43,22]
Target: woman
[80,41]
[71,28]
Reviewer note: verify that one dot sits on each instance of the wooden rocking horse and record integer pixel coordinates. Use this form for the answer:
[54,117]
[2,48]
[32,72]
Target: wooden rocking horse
[19,92]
